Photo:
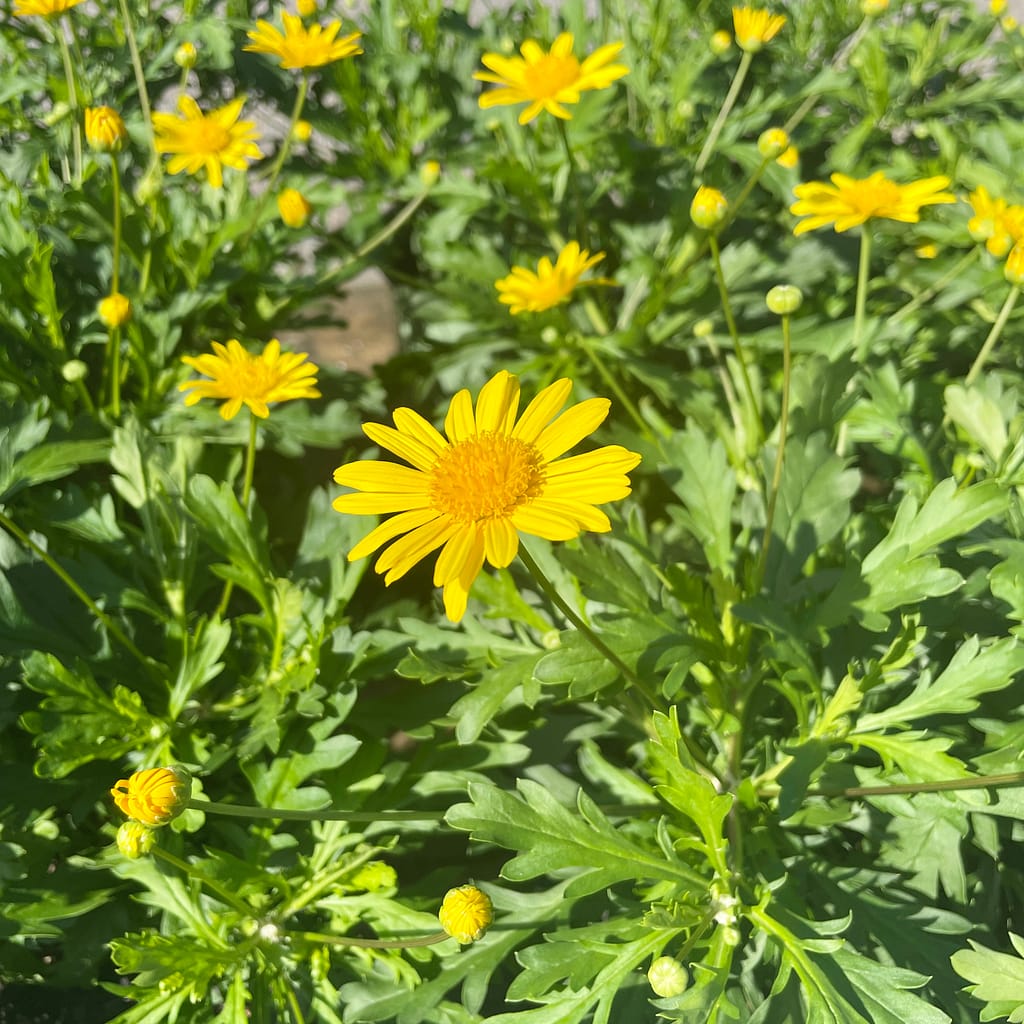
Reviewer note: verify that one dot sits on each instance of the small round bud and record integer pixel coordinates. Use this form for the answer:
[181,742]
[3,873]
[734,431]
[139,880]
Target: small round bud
[74,370]
[115,310]
[772,143]
[668,977]
[154,796]
[720,42]
[873,8]
[1013,271]
[104,130]
[703,328]
[789,159]
[134,839]
[429,173]
[186,55]
[708,208]
[1009,23]
[550,335]
[466,913]
[302,131]
[305,8]
[784,299]
[294,208]
[928,251]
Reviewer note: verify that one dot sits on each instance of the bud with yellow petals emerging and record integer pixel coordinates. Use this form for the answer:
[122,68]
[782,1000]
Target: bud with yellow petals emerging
[186,55]
[294,208]
[873,8]
[305,8]
[1013,270]
[135,840]
[104,129]
[708,208]
[466,913]
[154,796]
[115,310]
[429,173]
[302,131]
[789,159]
[720,43]
[772,143]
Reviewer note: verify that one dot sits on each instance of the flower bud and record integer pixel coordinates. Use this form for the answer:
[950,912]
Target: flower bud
[294,208]
[1009,23]
[708,208]
[155,796]
[873,8]
[772,143]
[305,8]
[186,55]
[134,839]
[466,913]
[668,977]
[789,159]
[996,7]
[301,131]
[1013,271]
[720,42]
[784,299]
[703,328]
[74,370]
[115,310]
[104,130]
[927,251]
[429,173]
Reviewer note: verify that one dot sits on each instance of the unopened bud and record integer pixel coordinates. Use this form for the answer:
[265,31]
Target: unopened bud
[301,131]
[784,299]
[720,42]
[155,796]
[668,977]
[466,913]
[708,208]
[104,130]
[1013,271]
[74,370]
[873,8]
[115,310]
[772,143]
[134,839]
[429,173]
[789,159]
[294,208]
[186,55]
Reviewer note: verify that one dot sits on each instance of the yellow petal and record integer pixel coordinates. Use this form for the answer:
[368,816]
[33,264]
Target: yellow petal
[386,477]
[501,542]
[389,529]
[452,559]
[413,424]
[545,523]
[398,559]
[497,403]
[456,593]
[571,427]
[377,504]
[459,423]
[405,447]
[542,410]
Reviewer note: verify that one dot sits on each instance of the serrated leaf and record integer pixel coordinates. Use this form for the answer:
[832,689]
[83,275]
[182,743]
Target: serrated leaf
[997,979]
[473,711]
[277,784]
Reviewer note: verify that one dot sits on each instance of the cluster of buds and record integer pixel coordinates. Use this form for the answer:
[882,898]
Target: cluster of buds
[149,799]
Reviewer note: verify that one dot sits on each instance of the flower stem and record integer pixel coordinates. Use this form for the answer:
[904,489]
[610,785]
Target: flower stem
[609,378]
[286,814]
[250,466]
[115,276]
[140,77]
[348,940]
[592,638]
[780,452]
[741,357]
[218,890]
[112,627]
[574,186]
[863,272]
[993,337]
[730,102]
[76,127]
[941,786]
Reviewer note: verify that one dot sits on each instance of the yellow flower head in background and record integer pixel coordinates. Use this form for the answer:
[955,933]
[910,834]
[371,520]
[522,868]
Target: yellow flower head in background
[995,222]
[465,914]
[104,130]
[546,81]
[302,131]
[115,310]
[1013,270]
[873,8]
[43,8]
[155,796]
[755,26]
[301,47]
[197,141]
[304,8]
[524,291]
[243,378]
[789,158]
[494,475]
[850,202]
[294,208]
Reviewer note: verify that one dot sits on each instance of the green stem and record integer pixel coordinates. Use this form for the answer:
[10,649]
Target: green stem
[609,378]
[926,296]
[773,496]
[730,102]
[993,337]
[347,940]
[574,185]
[140,77]
[863,274]
[592,638]
[101,616]
[908,788]
[741,357]
[76,127]
[734,206]
[115,277]
[285,814]
[250,466]
[218,890]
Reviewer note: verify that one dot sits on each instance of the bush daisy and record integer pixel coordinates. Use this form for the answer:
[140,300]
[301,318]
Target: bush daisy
[243,378]
[525,291]
[546,81]
[300,47]
[755,26]
[849,202]
[43,8]
[493,476]
[155,796]
[197,141]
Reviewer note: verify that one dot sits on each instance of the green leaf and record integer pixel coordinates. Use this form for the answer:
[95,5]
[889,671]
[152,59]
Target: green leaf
[549,837]
[45,462]
[997,979]
[979,417]
[473,711]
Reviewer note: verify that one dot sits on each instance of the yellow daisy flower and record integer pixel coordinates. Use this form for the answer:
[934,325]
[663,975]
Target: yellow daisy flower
[524,291]
[252,380]
[155,796]
[849,202]
[104,129]
[212,141]
[547,80]
[755,26]
[494,476]
[995,222]
[294,208]
[301,47]
[43,8]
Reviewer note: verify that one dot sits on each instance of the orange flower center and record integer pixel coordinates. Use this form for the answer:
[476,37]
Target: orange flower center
[253,378]
[871,198]
[208,136]
[550,75]
[487,476]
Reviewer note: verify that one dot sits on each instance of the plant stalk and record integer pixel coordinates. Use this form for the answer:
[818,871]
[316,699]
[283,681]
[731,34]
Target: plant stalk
[723,113]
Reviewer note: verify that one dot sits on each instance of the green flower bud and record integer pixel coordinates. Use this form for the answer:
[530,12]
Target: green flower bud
[784,299]
[668,977]
[134,839]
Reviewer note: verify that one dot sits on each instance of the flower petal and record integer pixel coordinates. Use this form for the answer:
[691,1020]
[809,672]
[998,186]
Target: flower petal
[571,427]
[389,529]
[542,410]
